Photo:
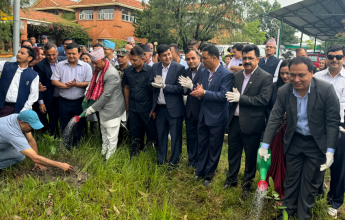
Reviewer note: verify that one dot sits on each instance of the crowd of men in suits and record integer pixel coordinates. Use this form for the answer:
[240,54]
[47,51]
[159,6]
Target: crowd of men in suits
[155,98]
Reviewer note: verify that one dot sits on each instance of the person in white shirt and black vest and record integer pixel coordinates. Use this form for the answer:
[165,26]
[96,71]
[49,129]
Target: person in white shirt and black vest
[18,83]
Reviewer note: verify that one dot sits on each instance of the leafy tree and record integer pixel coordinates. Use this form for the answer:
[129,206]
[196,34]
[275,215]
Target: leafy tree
[180,20]
[6,33]
[249,33]
[68,16]
[6,6]
[119,43]
[260,11]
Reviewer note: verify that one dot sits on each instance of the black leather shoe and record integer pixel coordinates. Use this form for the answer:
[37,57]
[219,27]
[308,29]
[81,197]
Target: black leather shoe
[228,186]
[206,183]
[245,195]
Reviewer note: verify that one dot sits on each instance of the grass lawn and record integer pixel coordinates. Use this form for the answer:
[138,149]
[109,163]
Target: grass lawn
[124,188]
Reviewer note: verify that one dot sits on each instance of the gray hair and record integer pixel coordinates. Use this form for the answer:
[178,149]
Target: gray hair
[49,45]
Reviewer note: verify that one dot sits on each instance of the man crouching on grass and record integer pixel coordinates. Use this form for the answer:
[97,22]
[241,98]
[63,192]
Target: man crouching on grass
[16,141]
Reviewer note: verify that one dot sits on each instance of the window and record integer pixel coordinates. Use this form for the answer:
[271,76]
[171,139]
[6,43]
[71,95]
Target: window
[55,12]
[86,15]
[127,15]
[100,41]
[105,13]
[313,58]
[89,43]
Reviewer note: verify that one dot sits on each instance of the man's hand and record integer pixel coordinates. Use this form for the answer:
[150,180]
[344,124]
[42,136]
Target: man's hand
[65,167]
[89,111]
[233,96]
[153,115]
[198,91]
[43,108]
[41,87]
[39,166]
[341,129]
[71,84]
[264,153]
[329,161]
[158,86]
[186,82]
[158,79]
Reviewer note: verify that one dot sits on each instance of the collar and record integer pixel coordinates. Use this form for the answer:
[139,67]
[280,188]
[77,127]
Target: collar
[296,93]
[166,67]
[268,58]
[196,68]
[53,64]
[145,68]
[244,72]
[80,63]
[342,72]
[215,69]
[238,59]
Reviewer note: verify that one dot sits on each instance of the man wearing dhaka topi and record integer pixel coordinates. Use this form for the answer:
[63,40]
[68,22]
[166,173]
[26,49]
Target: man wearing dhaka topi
[106,92]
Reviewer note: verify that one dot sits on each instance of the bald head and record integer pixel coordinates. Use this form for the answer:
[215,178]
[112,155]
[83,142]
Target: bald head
[128,47]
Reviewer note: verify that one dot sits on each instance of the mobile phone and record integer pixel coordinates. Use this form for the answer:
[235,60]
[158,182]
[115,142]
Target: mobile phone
[240,64]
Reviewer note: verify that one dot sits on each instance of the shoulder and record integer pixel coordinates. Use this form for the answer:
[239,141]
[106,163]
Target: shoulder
[320,73]
[111,71]
[284,89]
[321,85]
[263,73]
[224,70]
[61,63]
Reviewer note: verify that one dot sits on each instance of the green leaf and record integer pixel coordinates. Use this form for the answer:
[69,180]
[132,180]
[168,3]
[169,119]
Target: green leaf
[270,180]
[53,149]
[285,215]
[282,207]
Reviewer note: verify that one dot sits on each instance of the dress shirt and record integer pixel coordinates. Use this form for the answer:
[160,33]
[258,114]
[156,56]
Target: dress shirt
[211,74]
[12,92]
[194,72]
[112,61]
[151,63]
[302,126]
[64,72]
[245,82]
[184,63]
[56,90]
[140,93]
[338,83]
[275,77]
[161,98]
[235,62]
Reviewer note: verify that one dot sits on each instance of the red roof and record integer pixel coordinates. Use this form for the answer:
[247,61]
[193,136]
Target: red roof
[42,16]
[133,3]
[51,3]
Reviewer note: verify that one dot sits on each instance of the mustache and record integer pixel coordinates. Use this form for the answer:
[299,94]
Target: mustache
[247,64]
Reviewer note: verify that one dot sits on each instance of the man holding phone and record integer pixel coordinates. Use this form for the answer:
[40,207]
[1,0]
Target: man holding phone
[236,61]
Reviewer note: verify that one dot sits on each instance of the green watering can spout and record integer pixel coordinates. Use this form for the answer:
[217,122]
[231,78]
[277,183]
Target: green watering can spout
[86,103]
[263,167]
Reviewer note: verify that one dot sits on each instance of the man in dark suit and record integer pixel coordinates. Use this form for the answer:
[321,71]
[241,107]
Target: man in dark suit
[252,90]
[168,104]
[193,106]
[62,55]
[312,111]
[214,81]
[48,100]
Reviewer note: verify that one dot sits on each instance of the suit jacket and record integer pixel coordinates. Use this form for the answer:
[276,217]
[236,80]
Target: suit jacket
[323,115]
[45,72]
[193,103]
[173,90]
[253,101]
[111,103]
[214,106]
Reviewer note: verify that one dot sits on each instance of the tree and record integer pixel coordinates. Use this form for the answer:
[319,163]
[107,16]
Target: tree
[260,11]
[249,33]
[6,6]
[180,20]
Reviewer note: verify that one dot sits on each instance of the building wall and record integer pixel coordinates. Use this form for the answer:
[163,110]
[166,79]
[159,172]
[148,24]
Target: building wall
[117,28]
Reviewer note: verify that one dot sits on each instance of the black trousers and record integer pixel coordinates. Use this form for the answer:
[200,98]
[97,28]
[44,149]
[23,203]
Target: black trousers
[237,141]
[192,140]
[67,110]
[210,143]
[50,125]
[303,175]
[165,123]
[336,192]
[140,122]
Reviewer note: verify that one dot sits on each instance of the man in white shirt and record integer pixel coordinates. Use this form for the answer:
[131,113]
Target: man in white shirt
[236,61]
[175,51]
[335,74]
[18,91]
[147,54]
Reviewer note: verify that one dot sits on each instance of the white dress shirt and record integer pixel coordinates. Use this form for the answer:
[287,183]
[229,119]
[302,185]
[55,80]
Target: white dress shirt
[161,97]
[151,63]
[338,83]
[275,77]
[12,92]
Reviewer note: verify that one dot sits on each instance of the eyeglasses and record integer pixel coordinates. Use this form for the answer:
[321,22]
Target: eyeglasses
[338,57]
[270,47]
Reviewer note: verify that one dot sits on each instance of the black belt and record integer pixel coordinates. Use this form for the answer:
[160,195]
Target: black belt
[162,105]
[305,137]
[11,104]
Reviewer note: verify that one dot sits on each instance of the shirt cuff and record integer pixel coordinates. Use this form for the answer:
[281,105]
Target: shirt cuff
[330,150]
[265,146]
[40,102]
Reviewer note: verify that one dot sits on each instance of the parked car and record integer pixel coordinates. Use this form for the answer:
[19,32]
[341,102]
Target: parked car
[316,57]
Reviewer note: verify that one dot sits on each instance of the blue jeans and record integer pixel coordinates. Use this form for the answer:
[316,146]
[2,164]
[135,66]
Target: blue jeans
[9,157]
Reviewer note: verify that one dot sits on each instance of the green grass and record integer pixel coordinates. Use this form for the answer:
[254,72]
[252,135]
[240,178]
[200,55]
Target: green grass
[137,187]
